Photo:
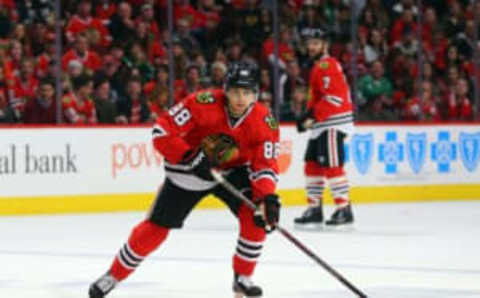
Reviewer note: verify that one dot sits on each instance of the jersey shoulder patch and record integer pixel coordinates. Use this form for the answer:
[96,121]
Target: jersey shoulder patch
[324,65]
[271,122]
[205,97]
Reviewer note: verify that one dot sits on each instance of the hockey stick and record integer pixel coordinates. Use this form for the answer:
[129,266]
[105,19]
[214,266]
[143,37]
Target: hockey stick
[220,179]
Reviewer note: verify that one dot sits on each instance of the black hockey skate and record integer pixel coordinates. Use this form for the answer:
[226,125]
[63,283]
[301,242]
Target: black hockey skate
[341,218]
[312,218]
[244,287]
[102,286]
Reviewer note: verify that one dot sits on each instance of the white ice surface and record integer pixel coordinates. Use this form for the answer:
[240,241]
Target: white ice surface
[396,251]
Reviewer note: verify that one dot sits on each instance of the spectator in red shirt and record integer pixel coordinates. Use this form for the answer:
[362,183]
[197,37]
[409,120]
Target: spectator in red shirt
[423,108]
[25,86]
[147,16]
[104,10]
[459,104]
[183,10]
[82,52]
[42,109]
[158,104]
[83,21]
[447,85]
[436,51]
[285,51]
[78,106]
[7,114]
[15,57]
[400,24]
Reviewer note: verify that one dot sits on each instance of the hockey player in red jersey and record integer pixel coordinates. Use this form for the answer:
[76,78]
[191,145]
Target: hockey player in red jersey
[330,120]
[222,129]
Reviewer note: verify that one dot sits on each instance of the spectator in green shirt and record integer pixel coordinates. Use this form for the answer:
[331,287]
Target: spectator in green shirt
[374,85]
[375,94]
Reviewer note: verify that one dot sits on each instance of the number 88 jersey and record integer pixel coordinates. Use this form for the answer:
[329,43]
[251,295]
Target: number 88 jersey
[205,113]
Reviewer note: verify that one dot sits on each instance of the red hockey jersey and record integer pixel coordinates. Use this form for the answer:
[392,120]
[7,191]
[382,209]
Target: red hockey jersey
[330,96]
[204,113]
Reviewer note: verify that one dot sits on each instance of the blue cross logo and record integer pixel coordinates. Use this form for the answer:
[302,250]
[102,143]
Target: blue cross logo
[443,152]
[390,152]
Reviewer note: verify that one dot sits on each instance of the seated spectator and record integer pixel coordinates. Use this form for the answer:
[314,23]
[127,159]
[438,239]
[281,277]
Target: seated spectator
[15,57]
[265,80]
[78,106]
[199,60]
[104,10]
[289,81]
[133,109]
[121,24]
[376,47]
[97,33]
[408,45]
[400,25]
[296,107]
[459,103]
[25,86]
[110,70]
[423,108]
[42,109]
[159,85]
[82,53]
[137,61]
[7,115]
[147,16]
[192,79]
[265,98]
[218,71]
[455,22]
[105,105]
[285,51]
[158,104]
[249,18]
[374,86]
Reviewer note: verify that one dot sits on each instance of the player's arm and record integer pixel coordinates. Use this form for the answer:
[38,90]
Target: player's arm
[264,176]
[169,128]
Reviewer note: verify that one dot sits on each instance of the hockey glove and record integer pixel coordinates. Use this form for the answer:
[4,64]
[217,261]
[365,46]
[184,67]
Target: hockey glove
[198,163]
[267,213]
[305,121]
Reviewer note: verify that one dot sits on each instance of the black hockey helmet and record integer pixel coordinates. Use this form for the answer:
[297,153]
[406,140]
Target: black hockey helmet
[242,74]
[316,33]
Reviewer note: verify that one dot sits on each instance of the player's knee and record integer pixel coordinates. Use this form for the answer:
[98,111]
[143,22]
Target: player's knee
[312,168]
[147,236]
[334,172]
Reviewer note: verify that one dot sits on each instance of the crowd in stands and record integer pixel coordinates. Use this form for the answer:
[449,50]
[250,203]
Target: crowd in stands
[115,65]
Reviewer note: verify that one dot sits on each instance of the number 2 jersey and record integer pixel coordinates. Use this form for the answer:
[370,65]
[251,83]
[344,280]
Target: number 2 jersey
[205,113]
[330,97]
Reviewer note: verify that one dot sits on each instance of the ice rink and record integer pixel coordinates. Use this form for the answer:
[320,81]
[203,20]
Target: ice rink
[396,251]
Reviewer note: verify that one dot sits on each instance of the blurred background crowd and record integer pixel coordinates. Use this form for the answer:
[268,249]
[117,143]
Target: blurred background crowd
[404,62]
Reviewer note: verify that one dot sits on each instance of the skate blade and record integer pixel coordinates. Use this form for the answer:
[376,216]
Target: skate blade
[339,228]
[241,295]
[309,227]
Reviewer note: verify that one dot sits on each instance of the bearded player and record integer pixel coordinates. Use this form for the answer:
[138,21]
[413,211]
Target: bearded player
[329,117]
[225,129]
